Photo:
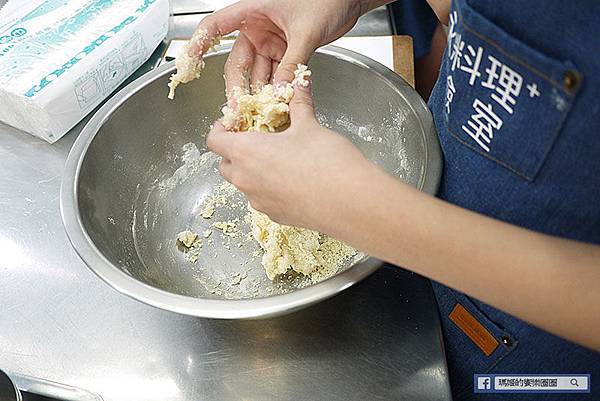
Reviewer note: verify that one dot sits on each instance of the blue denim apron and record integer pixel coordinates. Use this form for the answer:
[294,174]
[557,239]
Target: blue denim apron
[517,108]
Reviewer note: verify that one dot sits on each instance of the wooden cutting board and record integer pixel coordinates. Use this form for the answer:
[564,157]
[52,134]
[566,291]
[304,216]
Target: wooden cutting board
[404,61]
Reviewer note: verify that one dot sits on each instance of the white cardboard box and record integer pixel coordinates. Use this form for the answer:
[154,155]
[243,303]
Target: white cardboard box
[60,59]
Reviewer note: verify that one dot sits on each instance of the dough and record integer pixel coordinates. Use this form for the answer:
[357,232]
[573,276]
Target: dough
[187,238]
[189,67]
[266,110]
[305,251]
[190,244]
[301,75]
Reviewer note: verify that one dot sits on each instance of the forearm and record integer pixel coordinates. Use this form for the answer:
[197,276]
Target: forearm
[550,282]
[441,9]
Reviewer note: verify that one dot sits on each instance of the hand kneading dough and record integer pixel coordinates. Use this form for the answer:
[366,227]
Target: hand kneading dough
[308,252]
[266,110]
[305,251]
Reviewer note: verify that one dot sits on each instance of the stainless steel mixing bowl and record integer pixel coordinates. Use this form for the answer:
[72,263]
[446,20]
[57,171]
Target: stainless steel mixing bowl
[8,390]
[136,176]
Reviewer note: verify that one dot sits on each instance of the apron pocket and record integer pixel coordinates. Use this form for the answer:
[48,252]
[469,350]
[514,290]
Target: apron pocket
[504,99]
[474,343]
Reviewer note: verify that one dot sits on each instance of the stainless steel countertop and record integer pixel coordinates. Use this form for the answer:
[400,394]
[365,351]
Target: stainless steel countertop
[378,340]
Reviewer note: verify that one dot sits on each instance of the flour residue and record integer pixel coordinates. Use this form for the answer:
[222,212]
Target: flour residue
[193,162]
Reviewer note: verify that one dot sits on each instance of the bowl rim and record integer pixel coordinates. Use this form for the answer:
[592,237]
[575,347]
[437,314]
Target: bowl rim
[226,308]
